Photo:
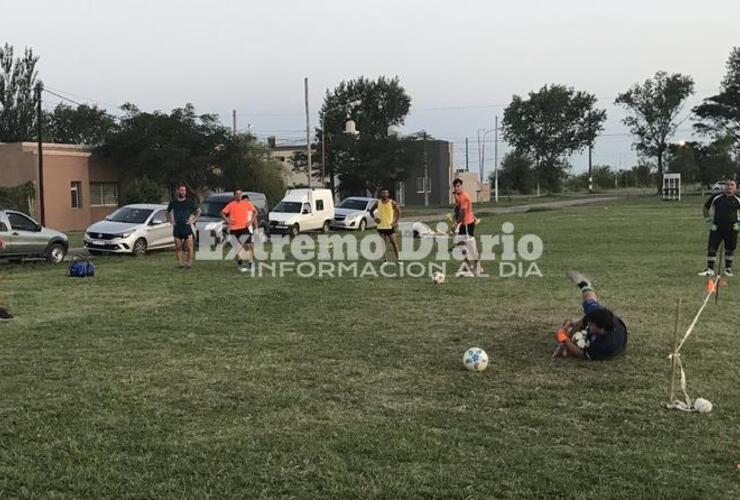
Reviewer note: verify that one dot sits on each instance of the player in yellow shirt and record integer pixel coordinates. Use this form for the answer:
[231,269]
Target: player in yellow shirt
[386,215]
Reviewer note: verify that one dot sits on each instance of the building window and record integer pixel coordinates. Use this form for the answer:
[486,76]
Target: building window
[75,193]
[103,194]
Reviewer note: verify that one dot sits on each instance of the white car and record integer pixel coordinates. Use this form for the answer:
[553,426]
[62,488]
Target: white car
[355,212]
[303,210]
[133,229]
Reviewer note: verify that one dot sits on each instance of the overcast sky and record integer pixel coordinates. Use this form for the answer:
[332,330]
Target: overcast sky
[460,61]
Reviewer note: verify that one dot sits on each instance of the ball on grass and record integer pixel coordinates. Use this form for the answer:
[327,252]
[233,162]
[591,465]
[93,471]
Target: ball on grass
[475,359]
[438,278]
[581,339]
[702,405]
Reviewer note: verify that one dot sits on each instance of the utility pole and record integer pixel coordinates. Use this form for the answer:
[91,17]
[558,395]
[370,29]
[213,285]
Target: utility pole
[426,175]
[323,152]
[308,130]
[233,122]
[590,170]
[495,160]
[467,156]
[39,129]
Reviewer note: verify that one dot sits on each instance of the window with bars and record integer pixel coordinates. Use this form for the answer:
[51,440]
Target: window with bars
[103,194]
[420,185]
[75,194]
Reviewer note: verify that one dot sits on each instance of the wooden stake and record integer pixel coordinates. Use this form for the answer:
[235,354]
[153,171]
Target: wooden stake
[674,362]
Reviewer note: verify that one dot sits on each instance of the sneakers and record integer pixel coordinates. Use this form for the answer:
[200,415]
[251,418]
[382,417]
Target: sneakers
[5,315]
[709,272]
[465,273]
[728,272]
[578,279]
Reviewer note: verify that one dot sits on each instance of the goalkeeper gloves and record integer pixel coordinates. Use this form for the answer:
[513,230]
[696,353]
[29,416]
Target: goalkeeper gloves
[736,226]
[710,224]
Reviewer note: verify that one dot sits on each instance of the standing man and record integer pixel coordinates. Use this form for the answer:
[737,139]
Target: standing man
[465,228]
[721,214]
[606,334]
[386,215]
[241,218]
[182,213]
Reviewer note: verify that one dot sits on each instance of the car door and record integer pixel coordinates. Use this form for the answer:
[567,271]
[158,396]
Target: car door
[159,232]
[6,249]
[320,213]
[26,235]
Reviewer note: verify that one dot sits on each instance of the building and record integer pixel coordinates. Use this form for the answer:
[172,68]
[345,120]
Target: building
[438,156]
[478,191]
[284,154]
[78,188]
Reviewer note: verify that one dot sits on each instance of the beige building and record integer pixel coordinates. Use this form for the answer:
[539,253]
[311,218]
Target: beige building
[284,154]
[478,191]
[78,189]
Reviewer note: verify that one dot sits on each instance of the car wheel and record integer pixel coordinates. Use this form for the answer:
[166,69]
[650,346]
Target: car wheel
[139,247]
[55,253]
[363,225]
[294,230]
[325,227]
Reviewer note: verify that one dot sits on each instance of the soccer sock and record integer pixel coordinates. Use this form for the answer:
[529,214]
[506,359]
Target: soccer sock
[728,261]
[238,262]
[710,261]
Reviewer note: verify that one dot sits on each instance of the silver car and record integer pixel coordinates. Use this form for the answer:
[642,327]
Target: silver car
[354,212]
[133,229]
[24,237]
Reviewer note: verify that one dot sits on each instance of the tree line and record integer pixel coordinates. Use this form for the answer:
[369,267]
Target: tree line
[545,128]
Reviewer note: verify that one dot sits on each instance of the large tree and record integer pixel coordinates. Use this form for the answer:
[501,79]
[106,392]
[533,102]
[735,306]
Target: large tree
[374,105]
[654,108]
[167,148]
[551,124]
[79,125]
[720,114]
[17,95]
[516,173]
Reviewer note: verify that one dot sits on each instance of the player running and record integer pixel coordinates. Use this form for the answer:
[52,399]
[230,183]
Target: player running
[606,334]
[182,213]
[241,218]
[464,229]
[721,214]
[386,215]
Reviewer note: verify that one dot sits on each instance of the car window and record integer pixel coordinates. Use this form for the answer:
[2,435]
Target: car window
[319,205]
[160,217]
[306,207]
[3,228]
[21,222]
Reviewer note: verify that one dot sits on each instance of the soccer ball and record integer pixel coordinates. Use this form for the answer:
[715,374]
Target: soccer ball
[581,339]
[438,278]
[475,359]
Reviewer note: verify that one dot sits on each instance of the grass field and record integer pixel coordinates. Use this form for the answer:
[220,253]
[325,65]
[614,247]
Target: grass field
[150,382]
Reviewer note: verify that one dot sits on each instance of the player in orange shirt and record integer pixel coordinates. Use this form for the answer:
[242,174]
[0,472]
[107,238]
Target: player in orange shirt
[241,217]
[465,228]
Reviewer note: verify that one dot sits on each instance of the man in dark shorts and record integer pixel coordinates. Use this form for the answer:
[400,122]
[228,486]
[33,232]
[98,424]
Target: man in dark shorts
[386,215]
[721,214]
[241,217]
[605,334]
[182,213]
[464,230]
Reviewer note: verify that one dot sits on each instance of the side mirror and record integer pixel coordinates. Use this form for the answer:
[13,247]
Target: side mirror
[39,227]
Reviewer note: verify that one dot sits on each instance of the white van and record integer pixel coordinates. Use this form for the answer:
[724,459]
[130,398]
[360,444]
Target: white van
[303,210]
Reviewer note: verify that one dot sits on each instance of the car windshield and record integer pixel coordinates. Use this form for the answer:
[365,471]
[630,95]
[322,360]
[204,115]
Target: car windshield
[288,207]
[212,208]
[130,215]
[353,204]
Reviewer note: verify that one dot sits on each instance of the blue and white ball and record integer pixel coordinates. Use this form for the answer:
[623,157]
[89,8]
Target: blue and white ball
[475,359]
[581,339]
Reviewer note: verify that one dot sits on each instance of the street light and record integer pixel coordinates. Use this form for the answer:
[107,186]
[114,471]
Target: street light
[350,128]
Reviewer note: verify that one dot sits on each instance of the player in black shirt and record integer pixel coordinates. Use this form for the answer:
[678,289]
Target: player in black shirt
[721,215]
[606,334]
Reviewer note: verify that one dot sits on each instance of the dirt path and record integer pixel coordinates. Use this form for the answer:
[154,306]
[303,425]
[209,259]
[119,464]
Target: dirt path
[517,208]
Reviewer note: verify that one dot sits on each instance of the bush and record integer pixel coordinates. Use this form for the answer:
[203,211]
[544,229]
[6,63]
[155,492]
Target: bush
[143,190]
[18,197]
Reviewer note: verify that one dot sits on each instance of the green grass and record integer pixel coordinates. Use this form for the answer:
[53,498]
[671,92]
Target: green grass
[149,382]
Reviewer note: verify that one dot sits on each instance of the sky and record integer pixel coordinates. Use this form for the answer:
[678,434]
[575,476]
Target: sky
[460,61]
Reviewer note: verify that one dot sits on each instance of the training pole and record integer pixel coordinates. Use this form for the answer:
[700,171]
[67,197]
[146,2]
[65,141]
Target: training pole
[674,361]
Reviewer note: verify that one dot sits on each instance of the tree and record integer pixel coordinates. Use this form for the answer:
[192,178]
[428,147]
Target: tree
[516,173]
[18,98]
[552,123]
[374,105]
[167,148]
[720,114]
[243,162]
[81,125]
[655,106]
[716,161]
[143,190]
[682,159]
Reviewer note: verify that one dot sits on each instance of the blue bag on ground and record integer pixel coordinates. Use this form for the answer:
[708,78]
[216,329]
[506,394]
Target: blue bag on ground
[81,269]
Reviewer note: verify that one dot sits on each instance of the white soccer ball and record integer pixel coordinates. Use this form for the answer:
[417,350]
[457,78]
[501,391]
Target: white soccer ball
[475,359]
[581,339]
[702,405]
[438,277]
